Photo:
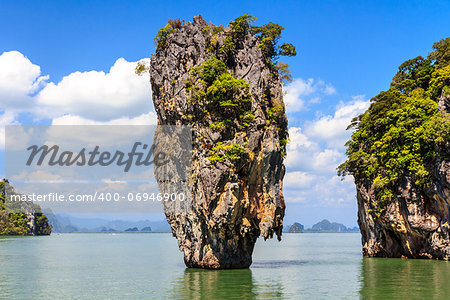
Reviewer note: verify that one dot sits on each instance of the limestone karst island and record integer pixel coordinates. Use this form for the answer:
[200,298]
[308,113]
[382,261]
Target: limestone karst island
[399,156]
[225,83]
[232,150]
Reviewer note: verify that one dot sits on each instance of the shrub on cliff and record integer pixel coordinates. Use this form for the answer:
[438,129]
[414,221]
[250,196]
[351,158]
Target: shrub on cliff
[398,135]
[216,94]
[161,37]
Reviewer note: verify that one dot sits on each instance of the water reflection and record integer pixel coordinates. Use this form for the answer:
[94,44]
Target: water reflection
[220,284]
[405,279]
[276,264]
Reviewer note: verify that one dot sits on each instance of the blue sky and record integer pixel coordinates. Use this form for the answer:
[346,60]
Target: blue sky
[347,52]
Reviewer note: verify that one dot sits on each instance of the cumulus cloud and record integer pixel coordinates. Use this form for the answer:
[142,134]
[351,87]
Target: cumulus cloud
[300,92]
[117,97]
[305,154]
[143,119]
[332,128]
[93,95]
[327,160]
[320,144]
[97,95]
[300,151]
[321,191]
[313,154]
[298,180]
[19,79]
[7,118]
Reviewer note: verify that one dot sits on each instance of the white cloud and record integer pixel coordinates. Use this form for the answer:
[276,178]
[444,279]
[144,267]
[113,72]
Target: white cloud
[338,191]
[327,160]
[319,146]
[329,89]
[144,119]
[298,180]
[97,95]
[37,176]
[306,155]
[93,95]
[118,97]
[301,92]
[300,151]
[117,132]
[313,154]
[7,118]
[298,140]
[332,129]
[19,79]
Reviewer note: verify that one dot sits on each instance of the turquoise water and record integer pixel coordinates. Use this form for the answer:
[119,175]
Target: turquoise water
[149,265]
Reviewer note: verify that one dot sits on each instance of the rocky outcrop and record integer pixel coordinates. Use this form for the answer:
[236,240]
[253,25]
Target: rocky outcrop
[24,218]
[416,223]
[235,177]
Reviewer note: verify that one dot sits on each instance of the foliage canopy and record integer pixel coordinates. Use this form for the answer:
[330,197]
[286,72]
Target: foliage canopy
[217,94]
[399,134]
[268,34]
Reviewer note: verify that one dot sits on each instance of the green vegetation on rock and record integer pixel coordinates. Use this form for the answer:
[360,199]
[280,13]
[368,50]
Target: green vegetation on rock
[219,99]
[218,95]
[19,223]
[268,34]
[220,152]
[163,33]
[399,134]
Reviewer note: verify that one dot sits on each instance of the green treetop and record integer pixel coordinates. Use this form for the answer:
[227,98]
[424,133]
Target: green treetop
[399,134]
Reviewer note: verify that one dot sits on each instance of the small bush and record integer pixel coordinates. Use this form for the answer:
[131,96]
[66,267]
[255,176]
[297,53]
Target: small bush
[141,68]
[220,152]
[206,30]
[213,91]
[176,23]
[161,36]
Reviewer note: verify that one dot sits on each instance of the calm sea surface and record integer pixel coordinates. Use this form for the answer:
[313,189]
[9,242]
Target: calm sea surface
[149,265]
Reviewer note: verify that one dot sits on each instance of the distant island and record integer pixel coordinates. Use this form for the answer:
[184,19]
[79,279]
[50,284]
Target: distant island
[132,229]
[296,228]
[67,223]
[322,226]
[135,229]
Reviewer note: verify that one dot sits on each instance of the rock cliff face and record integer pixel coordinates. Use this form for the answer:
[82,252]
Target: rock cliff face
[416,223]
[227,91]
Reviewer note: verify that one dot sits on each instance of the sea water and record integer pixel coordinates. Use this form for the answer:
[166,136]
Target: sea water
[150,266]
